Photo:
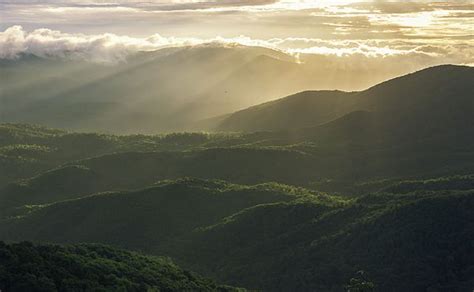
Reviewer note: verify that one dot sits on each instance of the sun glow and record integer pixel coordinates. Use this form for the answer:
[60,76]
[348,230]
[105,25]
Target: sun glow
[419,19]
[308,4]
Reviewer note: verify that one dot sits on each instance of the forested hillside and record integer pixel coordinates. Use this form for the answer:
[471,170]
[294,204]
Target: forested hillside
[27,150]
[249,236]
[88,267]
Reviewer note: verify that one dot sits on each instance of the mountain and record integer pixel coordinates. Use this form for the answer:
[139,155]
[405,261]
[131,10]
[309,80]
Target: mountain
[88,267]
[253,82]
[432,88]
[430,99]
[167,90]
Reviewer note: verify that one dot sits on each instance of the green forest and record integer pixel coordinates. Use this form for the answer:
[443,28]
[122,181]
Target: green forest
[92,267]
[362,191]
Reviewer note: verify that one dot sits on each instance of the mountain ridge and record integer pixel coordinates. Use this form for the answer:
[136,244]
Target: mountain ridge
[388,96]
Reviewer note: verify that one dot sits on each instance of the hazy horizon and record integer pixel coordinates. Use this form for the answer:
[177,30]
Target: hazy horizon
[356,43]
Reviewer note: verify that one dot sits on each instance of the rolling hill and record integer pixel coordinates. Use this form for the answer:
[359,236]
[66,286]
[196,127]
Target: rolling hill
[335,159]
[155,215]
[27,150]
[251,235]
[423,239]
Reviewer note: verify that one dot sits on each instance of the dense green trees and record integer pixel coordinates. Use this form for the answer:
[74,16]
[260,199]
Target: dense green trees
[415,242]
[27,150]
[27,267]
[252,235]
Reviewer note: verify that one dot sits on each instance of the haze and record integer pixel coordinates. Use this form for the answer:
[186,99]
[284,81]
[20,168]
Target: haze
[114,58]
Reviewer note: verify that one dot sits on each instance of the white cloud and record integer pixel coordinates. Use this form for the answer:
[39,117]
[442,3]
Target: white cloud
[111,48]
[12,42]
[15,41]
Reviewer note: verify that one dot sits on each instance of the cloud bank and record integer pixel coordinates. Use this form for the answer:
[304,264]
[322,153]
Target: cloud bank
[110,48]
[15,41]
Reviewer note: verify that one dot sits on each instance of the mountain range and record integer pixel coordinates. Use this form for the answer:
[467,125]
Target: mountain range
[304,193]
[172,89]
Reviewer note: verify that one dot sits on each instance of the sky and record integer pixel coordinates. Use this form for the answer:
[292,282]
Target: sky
[434,32]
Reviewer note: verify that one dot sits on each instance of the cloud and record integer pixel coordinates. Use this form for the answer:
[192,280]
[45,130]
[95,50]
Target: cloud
[111,48]
[105,48]
[12,42]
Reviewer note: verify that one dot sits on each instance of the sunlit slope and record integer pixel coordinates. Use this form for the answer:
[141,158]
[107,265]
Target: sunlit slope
[435,97]
[145,219]
[424,239]
[28,267]
[457,182]
[353,148]
[133,170]
[327,167]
